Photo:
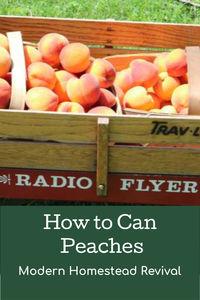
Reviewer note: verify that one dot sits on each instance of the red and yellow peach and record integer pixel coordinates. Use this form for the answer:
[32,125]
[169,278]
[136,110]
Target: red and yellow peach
[84,90]
[41,74]
[42,99]
[50,46]
[5,93]
[75,58]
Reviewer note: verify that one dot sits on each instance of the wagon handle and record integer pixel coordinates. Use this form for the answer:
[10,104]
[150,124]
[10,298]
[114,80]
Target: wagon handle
[18,72]
[193,61]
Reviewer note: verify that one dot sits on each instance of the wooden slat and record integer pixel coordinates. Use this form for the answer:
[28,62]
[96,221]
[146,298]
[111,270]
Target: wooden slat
[37,126]
[48,156]
[154,161]
[102,156]
[122,159]
[107,52]
[68,128]
[106,32]
[193,61]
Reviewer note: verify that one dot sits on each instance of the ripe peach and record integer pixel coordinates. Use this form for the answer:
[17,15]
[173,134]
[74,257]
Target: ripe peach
[138,98]
[8,77]
[150,89]
[75,57]
[119,94]
[4,42]
[41,98]
[5,62]
[180,97]
[104,72]
[84,90]
[62,78]
[168,109]
[31,55]
[41,74]
[165,86]
[184,79]
[176,63]
[5,93]
[160,62]
[164,103]
[70,107]
[106,98]
[50,46]
[102,110]
[124,80]
[157,101]
[144,73]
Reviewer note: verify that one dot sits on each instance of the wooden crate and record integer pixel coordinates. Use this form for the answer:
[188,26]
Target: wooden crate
[56,156]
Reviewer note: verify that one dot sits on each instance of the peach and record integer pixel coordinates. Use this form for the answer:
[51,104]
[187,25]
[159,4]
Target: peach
[106,98]
[41,98]
[180,97]
[160,62]
[157,101]
[70,107]
[31,55]
[50,46]
[164,103]
[184,79]
[8,77]
[144,73]
[124,80]
[155,110]
[4,42]
[104,72]
[138,98]
[176,63]
[41,74]
[5,62]
[119,94]
[168,109]
[84,90]
[150,89]
[165,86]
[75,57]
[102,110]
[5,93]
[184,111]
[62,78]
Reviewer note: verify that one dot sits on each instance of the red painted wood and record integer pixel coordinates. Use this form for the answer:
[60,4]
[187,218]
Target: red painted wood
[186,188]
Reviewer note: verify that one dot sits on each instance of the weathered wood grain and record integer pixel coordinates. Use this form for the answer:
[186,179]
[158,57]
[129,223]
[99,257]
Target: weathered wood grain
[106,32]
[68,128]
[107,52]
[122,159]
[47,156]
[154,160]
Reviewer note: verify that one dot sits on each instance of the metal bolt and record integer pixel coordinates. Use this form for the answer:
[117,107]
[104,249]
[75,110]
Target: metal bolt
[101,187]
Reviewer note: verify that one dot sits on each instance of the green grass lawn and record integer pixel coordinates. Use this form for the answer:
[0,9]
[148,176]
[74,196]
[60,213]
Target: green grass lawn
[140,10]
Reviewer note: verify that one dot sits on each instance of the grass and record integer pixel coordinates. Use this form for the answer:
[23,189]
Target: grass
[140,10]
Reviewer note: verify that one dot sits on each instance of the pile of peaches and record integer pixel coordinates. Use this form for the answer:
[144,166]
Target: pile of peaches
[64,77]
[160,86]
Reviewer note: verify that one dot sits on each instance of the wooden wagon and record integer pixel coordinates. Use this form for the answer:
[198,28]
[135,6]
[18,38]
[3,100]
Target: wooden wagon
[140,158]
